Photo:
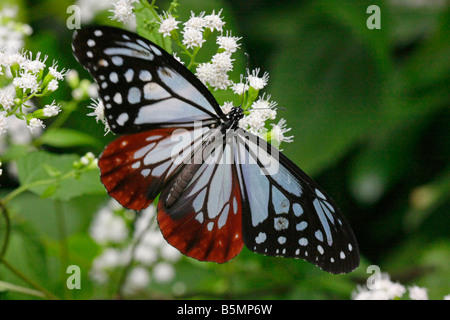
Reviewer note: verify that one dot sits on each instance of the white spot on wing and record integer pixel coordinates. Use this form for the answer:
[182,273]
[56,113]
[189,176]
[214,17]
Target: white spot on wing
[118,98]
[122,118]
[301,226]
[145,75]
[114,77]
[261,238]
[281,223]
[129,75]
[320,194]
[134,95]
[298,210]
[118,61]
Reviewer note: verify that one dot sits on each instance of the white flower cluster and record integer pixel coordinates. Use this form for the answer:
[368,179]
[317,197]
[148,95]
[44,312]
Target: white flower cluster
[11,31]
[384,289]
[215,73]
[194,34]
[28,81]
[142,246]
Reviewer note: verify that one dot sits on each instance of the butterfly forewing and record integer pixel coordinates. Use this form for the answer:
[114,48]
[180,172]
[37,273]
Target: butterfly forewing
[290,215]
[135,167]
[141,85]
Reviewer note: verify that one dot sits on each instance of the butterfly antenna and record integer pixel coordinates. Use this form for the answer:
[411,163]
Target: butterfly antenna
[247,69]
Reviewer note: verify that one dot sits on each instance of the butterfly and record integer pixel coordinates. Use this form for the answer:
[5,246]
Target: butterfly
[219,186]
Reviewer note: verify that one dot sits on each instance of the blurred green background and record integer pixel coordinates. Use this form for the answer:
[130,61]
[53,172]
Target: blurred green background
[369,111]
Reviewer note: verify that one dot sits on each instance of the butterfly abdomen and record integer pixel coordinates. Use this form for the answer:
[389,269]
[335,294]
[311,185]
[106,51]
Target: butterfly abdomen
[181,182]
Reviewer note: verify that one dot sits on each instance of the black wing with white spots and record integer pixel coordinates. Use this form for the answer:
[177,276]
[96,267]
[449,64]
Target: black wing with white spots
[141,85]
[289,214]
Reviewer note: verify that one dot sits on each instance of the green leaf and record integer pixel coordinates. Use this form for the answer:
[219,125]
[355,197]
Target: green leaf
[330,88]
[61,138]
[49,191]
[147,27]
[31,169]
[15,151]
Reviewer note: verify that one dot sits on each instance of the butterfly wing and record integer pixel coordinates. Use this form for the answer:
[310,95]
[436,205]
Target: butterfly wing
[135,167]
[205,220]
[287,214]
[140,84]
[148,96]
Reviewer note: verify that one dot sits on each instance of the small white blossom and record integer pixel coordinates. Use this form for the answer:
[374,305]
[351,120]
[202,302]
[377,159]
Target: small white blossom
[109,258]
[210,74]
[137,279]
[257,82]
[33,66]
[205,72]
[123,10]
[26,81]
[7,99]
[214,73]
[163,272]
[177,58]
[226,107]
[3,124]
[192,38]
[51,110]
[8,59]
[195,22]
[35,124]
[99,112]
[382,289]
[12,31]
[228,42]
[214,21]
[1,170]
[167,24]
[53,85]
[278,132]
[108,227]
[57,74]
[253,122]
[265,108]
[418,293]
[240,88]
[222,62]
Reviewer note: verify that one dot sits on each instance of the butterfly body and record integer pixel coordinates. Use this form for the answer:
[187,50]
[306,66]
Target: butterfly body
[219,186]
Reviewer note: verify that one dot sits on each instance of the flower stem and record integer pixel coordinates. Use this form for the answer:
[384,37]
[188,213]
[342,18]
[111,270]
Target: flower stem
[33,284]
[20,289]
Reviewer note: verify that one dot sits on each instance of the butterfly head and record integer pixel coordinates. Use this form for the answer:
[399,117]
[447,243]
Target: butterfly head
[233,117]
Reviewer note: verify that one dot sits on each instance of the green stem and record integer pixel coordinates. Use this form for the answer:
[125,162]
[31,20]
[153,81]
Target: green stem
[8,230]
[33,284]
[127,268]
[28,186]
[62,235]
[20,289]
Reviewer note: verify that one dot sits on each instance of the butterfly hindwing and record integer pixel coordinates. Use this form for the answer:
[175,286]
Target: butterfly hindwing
[205,220]
[289,214]
[140,84]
